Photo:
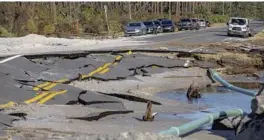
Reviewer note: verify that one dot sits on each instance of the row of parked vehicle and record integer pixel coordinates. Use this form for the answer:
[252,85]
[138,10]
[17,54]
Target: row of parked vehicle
[164,25]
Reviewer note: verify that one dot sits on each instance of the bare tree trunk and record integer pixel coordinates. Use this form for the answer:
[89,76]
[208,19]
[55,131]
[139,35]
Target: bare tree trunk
[193,3]
[54,12]
[106,19]
[169,10]
[70,12]
[223,8]
[129,9]
[177,8]
[161,8]
[230,9]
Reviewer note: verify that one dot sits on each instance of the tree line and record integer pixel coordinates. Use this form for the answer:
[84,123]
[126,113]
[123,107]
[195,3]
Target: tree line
[101,18]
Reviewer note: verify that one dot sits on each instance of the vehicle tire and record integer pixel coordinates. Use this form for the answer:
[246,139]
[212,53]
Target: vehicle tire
[251,34]
[245,35]
[144,32]
[180,29]
[141,33]
[228,34]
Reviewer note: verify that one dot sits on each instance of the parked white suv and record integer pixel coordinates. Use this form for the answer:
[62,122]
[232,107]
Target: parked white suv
[239,26]
[202,23]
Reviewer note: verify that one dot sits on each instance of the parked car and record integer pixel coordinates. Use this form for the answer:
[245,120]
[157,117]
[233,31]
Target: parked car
[187,24]
[208,24]
[239,26]
[195,23]
[202,23]
[168,25]
[151,27]
[160,19]
[158,25]
[135,28]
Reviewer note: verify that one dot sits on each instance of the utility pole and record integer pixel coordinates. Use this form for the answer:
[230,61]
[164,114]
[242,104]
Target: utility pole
[106,19]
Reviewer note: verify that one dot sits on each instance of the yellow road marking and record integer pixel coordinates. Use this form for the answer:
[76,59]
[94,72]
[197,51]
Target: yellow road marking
[50,96]
[38,87]
[104,71]
[129,52]
[96,71]
[119,57]
[49,85]
[36,98]
[9,104]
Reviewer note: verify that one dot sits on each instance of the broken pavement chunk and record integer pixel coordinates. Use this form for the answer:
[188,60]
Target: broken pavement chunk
[96,100]
[98,115]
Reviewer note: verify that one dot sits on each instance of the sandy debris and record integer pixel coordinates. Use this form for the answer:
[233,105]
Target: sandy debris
[40,44]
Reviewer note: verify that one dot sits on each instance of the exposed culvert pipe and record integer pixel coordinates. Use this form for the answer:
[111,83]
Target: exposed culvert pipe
[216,77]
[188,127]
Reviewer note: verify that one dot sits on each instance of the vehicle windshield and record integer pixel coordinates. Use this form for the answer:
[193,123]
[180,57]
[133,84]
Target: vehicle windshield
[194,20]
[238,21]
[185,20]
[147,23]
[157,22]
[201,20]
[166,22]
[134,24]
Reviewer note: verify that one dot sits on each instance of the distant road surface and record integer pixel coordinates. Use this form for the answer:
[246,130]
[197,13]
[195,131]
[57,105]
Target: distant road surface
[207,35]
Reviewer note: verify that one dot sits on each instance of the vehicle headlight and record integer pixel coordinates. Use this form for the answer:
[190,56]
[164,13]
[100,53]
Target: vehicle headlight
[137,30]
[244,28]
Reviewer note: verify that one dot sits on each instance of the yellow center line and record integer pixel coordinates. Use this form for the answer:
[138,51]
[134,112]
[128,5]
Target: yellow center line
[119,57]
[9,104]
[96,71]
[129,52]
[38,87]
[50,96]
[104,71]
[36,98]
[49,85]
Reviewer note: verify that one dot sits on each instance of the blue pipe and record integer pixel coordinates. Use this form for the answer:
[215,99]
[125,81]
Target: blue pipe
[188,127]
[216,77]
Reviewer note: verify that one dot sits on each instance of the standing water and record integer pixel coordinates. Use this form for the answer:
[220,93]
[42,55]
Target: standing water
[217,98]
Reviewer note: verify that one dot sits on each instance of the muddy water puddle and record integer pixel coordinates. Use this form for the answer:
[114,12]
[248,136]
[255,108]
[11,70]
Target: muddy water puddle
[216,98]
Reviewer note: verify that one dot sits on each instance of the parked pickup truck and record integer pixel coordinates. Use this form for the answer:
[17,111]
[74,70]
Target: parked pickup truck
[239,26]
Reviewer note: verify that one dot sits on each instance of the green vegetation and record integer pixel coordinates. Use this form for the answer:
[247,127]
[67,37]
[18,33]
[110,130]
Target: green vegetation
[4,32]
[88,18]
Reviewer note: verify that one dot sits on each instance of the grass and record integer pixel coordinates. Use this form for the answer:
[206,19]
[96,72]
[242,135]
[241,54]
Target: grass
[258,36]
[218,24]
[235,59]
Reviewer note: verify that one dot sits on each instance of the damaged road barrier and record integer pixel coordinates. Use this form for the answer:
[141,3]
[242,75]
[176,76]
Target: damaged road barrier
[188,127]
[10,58]
[216,77]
